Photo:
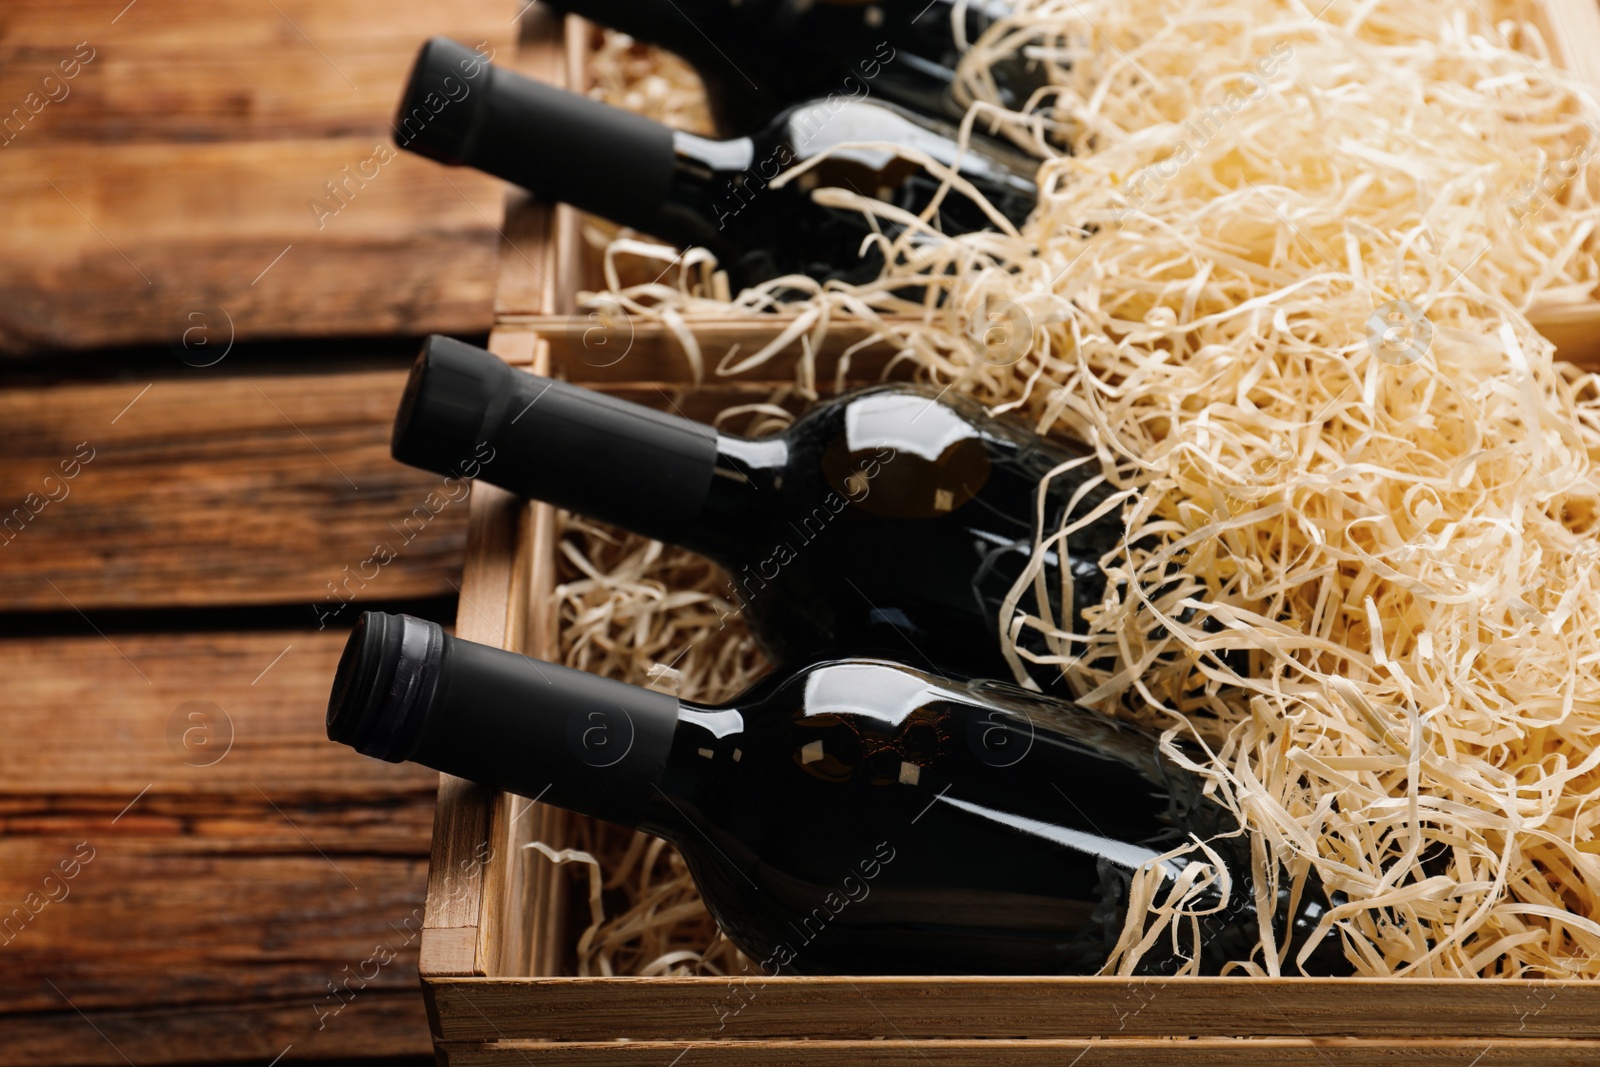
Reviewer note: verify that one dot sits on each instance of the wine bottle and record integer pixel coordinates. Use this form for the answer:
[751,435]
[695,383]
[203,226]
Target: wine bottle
[758,56]
[890,521]
[696,192]
[852,817]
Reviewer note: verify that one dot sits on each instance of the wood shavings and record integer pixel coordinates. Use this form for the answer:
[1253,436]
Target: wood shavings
[659,925]
[641,612]
[1279,285]
[648,81]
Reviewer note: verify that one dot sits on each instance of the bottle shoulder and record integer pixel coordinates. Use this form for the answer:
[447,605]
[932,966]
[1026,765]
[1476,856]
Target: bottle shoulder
[967,727]
[869,131]
[926,424]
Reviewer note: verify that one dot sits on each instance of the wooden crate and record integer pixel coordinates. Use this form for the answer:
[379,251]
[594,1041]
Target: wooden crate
[496,937]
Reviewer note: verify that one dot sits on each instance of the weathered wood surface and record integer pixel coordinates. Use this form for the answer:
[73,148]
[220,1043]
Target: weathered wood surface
[186,859]
[227,70]
[189,151]
[204,489]
[378,1030]
[122,244]
[172,192]
[91,721]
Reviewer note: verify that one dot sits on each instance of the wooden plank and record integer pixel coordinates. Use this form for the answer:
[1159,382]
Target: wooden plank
[292,68]
[502,921]
[711,1009]
[108,245]
[209,490]
[1573,328]
[162,918]
[189,862]
[1148,1053]
[195,719]
[602,348]
[380,1023]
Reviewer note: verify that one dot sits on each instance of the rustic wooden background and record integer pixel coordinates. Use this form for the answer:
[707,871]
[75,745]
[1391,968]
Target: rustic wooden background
[216,364]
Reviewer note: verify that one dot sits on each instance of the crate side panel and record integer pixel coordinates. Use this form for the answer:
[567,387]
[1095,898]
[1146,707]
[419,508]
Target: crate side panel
[691,1009]
[1210,1052]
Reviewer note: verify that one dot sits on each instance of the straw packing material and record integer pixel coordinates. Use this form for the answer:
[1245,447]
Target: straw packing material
[1278,285]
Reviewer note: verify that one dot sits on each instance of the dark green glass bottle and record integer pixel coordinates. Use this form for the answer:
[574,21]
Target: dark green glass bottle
[697,192]
[891,521]
[757,57]
[850,817]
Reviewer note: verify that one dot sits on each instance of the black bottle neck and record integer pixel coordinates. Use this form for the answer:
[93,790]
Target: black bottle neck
[735,515]
[407,691]
[696,191]
[621,166]
[467,414]
[459,109]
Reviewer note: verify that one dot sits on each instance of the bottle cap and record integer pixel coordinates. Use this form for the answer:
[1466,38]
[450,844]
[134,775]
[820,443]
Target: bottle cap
[443,101]
[385,684]
[445,409]
[459,109]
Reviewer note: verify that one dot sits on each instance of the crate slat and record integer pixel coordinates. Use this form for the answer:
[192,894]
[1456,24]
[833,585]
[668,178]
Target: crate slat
[862,1008]
[455,920]
[1210,1052]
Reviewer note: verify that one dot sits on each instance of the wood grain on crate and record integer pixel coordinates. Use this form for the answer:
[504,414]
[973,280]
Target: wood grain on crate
[597,349]
[1207,1052]
[217,901]
[479,882]
[600,349]
[205,490]
[865,1008]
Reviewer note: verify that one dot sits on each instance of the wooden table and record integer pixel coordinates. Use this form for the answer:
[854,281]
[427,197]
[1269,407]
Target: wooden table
[189,870]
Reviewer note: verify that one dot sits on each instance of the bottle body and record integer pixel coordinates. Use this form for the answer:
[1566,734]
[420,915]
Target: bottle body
[896,521]
[905,51]
[729,197]
[852,817]
[891,521]
[861,817]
